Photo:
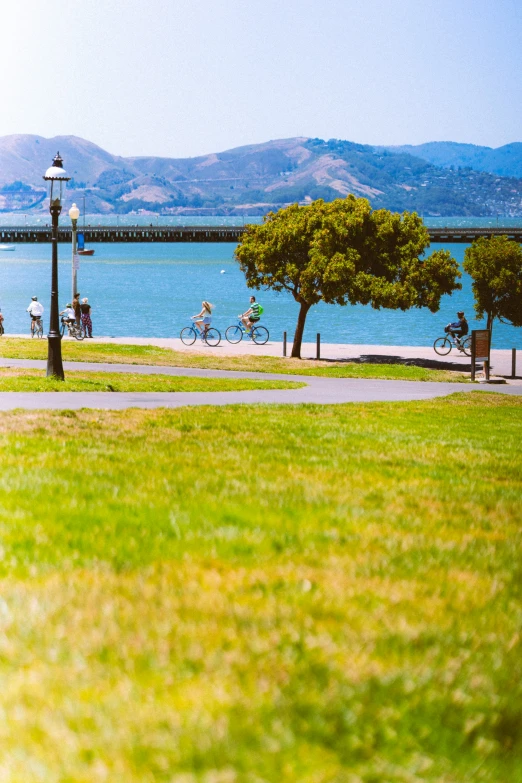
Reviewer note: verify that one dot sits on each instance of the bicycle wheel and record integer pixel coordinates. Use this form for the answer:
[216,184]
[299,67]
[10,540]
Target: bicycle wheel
[188,335]
[260,335]
[442,346]
[234,334]
[78,334]
[212,337]
[466,346]
[62,329]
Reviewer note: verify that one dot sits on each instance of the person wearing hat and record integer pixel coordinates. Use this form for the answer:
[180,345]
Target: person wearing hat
[35,310]
[458,329]
[68,316]
[86,317]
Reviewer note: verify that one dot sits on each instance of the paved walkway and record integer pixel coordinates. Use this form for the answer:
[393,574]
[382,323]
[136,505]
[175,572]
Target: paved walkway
[423,356]
[318,390]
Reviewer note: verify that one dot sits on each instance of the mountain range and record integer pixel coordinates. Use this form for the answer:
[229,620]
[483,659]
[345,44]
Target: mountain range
[439,178]
[505,161]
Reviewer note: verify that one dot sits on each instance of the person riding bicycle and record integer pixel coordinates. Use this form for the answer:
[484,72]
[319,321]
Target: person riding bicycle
[35,310]
[458,329]
[68,316]
[252,315]
[203,319]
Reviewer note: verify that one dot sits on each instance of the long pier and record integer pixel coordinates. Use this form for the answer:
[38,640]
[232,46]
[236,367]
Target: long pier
[467,235]
[92,234]
[35,234]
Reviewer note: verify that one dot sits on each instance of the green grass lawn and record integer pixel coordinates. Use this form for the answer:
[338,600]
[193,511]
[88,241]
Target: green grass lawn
[19,348]
[253,594]
[24,380]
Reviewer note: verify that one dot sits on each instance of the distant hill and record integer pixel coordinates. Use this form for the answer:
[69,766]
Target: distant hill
[253,179]
[505,161]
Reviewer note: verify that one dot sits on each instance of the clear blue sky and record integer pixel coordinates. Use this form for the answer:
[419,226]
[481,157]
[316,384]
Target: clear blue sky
[187,77]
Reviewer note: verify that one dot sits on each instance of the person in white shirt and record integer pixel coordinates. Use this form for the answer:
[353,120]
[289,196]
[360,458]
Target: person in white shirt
[68,316]
[35,310]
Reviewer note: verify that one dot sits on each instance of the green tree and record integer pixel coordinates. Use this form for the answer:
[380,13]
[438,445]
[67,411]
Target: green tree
[495,266]
[345,253]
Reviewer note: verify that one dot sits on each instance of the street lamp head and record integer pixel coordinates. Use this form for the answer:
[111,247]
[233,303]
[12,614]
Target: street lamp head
[57,178]
[74,213]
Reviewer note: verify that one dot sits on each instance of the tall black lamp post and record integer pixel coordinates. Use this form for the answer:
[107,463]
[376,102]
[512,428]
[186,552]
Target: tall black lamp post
[57,178]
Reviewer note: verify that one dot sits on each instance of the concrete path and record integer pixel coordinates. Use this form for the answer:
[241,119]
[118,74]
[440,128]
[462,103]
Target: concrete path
[318,390]
[423,356]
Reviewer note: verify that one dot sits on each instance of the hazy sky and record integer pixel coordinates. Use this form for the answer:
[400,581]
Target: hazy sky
[185,77]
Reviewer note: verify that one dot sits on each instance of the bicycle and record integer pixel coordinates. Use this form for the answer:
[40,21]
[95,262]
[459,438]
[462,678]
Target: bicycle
[37,328]
[258,334]
[443,345]
[210,336]
[73,330]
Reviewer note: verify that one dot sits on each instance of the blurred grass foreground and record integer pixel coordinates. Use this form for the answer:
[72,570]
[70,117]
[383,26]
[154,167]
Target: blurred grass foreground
[250,594]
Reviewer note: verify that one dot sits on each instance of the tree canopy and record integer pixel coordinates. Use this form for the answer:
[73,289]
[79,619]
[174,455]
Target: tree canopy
[343,252]
[495,266]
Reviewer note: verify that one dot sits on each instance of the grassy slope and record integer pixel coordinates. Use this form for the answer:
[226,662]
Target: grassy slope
[16,348]
[22,380]
[250,594]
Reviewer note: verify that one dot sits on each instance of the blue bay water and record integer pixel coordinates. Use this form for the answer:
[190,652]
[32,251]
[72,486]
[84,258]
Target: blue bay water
[151,290]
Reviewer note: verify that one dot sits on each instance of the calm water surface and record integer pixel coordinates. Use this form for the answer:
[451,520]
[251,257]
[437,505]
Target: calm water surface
[151,290]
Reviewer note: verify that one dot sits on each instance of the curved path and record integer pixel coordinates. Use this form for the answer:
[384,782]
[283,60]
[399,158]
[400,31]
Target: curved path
[318,390]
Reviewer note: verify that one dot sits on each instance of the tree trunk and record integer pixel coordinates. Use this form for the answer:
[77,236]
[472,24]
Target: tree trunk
[298,336]
[489,326]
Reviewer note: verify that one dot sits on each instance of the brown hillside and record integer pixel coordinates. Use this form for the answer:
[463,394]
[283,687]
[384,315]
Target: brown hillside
[252,178]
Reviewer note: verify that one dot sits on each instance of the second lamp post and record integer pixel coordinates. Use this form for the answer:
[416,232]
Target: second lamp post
[74,214]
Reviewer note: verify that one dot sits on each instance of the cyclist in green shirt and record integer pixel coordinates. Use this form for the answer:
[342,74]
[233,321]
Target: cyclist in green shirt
[252,315]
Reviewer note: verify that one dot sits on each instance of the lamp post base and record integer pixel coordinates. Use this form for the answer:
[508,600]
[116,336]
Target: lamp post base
[54,357]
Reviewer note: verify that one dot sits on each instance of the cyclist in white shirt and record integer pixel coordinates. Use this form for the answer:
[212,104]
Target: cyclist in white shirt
[68,316]
[35,310]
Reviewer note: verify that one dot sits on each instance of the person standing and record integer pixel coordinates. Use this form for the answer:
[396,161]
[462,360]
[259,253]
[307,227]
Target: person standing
[86,317]
[77,309]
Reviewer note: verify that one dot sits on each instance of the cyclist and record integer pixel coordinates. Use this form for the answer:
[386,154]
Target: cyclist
[68,316]
[458,329]
[252,315]
[203,319]
[35,310]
